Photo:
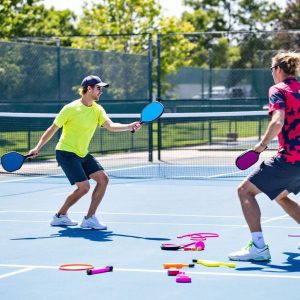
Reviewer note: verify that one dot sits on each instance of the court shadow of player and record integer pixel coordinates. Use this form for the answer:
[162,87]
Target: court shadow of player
[292,264]
[89,234]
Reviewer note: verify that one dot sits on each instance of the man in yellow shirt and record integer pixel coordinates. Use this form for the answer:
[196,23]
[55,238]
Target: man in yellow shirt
[79,120]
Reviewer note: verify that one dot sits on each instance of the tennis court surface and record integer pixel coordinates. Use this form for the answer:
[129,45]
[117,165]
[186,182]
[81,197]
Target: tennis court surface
[141,214]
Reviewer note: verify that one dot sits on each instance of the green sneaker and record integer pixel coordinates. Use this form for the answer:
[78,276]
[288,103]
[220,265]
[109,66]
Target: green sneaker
[250,252]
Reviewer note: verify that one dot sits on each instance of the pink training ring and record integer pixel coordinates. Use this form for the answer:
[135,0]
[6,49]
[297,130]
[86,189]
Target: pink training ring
[183,279]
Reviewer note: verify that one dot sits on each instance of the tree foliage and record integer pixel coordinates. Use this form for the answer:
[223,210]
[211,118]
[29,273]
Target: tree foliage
[21,18]
[290,20]
[123,26]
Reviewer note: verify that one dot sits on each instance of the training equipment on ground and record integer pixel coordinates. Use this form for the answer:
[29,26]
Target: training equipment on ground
[174,272]
[181,278]
[98,271]
[201,236]
[178,265]
[214,263]
[76,267]
[199,245]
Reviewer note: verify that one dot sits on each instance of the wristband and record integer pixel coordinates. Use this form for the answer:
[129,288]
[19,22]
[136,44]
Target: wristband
[263,145]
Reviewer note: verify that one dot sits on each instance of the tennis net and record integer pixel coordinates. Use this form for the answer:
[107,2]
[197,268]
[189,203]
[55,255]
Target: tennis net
[180,145]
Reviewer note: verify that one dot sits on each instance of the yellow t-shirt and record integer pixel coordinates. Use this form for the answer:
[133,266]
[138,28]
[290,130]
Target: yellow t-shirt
[79,123]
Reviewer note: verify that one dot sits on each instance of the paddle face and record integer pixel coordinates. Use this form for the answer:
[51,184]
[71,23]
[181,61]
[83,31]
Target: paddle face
[152,112]
[247,159]
[12,161]
[170,247]
[174,246]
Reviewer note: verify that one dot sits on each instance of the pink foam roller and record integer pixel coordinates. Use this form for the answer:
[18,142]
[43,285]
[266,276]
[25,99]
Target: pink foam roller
[183,279]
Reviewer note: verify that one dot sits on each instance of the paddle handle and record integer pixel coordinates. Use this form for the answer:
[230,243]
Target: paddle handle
[177,266]
[132,130]
[28,155]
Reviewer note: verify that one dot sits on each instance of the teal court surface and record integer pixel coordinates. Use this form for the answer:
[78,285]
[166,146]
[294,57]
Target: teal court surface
[141,214]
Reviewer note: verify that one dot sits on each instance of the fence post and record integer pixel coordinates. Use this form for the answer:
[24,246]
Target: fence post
[150,91]
[210,72]
[58,68]
[159,136]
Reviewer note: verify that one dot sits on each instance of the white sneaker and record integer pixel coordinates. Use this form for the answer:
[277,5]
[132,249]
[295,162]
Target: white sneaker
[62,220]
[250,252]
[92,223]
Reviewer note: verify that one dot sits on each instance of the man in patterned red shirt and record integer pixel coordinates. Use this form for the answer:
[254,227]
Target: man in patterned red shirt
[278,176]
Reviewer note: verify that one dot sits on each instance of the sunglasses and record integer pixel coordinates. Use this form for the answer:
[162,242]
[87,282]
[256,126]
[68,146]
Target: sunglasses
[276,66]
[98,87]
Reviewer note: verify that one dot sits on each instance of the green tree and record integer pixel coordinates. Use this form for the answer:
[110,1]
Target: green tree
[257,14]
[210,15]
[30,18]
[176,49]
[120,28]
[240,50]
[289,20]
[112,17]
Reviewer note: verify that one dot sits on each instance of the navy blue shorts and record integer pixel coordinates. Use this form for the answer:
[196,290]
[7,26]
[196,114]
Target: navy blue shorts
[274,175]
[77,168]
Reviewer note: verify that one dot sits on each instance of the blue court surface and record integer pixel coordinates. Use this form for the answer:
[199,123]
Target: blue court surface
[141,215]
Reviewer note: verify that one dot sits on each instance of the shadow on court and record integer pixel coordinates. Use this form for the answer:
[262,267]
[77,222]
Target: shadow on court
[92,235]
[292,264]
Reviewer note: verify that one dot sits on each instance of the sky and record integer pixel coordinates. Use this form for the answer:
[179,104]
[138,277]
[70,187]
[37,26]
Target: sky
[169,7]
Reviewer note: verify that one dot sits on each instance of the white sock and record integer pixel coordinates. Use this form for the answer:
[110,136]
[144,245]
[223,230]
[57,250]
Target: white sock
[258,239]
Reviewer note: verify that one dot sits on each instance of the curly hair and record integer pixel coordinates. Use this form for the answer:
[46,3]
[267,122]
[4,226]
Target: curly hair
[289,62]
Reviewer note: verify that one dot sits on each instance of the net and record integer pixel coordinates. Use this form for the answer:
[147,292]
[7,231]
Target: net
[180,145]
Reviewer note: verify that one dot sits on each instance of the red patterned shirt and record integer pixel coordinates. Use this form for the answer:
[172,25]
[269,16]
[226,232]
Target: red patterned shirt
[286,96]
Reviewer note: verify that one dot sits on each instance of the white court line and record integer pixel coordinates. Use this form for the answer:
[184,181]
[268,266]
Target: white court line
[164,224]
[22,179]
[274,219]
[26,269]
[127,214]
[62,174]
[236,274]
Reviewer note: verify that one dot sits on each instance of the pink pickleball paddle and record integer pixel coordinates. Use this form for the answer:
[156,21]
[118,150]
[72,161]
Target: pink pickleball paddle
[247,159]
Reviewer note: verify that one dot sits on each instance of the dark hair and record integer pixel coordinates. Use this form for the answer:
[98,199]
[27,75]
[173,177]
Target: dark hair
[289,62]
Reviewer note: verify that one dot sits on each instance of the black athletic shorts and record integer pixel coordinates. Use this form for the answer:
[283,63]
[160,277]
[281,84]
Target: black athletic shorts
[274,175]
[77,168]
